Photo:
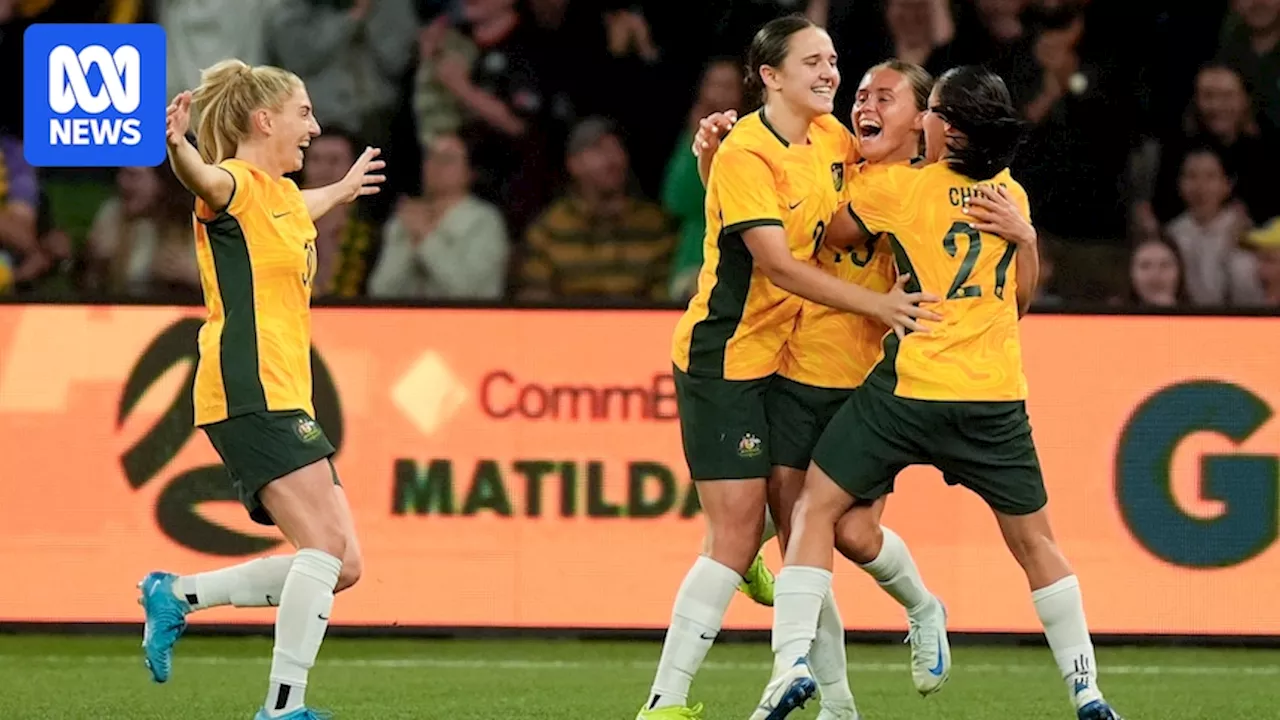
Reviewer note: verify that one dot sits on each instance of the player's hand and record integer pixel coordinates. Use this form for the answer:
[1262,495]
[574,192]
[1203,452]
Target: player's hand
[177,119]
[901,310]
[995,213]
[711,129]
[362,179]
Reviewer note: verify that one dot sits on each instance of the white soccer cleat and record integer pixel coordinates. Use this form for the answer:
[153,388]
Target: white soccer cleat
[786,693]
[930,649]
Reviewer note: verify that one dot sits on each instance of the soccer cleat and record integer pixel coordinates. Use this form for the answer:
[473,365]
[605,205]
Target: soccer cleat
[930,649]
[671,712]
[1097,710]
[299,714]
[786,693]
[166,619]
[757,584]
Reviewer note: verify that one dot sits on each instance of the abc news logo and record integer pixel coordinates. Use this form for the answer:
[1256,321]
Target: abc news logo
[69,89]
[94,95]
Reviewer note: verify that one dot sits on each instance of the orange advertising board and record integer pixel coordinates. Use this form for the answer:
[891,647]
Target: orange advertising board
[523,469]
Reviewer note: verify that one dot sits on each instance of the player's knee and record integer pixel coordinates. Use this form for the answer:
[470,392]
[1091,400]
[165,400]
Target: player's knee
[735,545]
[858,537]
[352,567]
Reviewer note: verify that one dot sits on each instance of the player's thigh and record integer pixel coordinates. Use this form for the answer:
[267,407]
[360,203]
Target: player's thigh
[989,449]
[724,427]
[868,442]
[797,415]
[259,448]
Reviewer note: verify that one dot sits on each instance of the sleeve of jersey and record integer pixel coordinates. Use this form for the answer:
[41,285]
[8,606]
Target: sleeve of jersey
[242,193]
[745,190]
[877,196]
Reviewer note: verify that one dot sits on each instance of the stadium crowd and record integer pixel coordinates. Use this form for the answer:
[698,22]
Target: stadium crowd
[538,150]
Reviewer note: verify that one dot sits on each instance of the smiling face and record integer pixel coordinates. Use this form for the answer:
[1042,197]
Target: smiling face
[886,117]
[807,78]
[289,129]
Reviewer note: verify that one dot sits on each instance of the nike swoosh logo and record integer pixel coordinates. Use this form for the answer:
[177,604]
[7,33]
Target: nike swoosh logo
[936,670]
[708,636]
[793,207]
[279,215]
[323,617]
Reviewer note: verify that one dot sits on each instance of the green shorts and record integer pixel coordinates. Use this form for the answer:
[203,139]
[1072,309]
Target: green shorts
[724,427]
[798,414]
[984,446]
[260,447]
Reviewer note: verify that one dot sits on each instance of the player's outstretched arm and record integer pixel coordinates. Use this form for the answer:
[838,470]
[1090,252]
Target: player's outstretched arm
[360,180]
[208,182]
[897,308]
[999,214]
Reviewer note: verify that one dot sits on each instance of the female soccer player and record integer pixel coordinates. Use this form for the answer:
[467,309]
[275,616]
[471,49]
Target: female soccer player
[774,186]
[255,243]
[966,416]
[830,352]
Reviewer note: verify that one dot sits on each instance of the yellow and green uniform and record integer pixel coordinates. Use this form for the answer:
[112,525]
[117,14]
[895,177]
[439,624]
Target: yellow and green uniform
[953,397]
[729,342]
[252,394]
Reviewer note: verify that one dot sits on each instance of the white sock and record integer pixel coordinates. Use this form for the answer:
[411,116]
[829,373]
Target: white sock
[257,583]
[896,571]
[827,656]
[1061,611]
[301,622]
[797,604]
[695,621]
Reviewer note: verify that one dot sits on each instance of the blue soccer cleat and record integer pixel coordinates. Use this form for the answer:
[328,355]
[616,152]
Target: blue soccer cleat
[1097,710]
[786,693]
[299,714]
[166,620]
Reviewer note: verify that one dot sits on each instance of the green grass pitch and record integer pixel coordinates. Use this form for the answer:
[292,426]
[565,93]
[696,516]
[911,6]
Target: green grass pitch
[102,678]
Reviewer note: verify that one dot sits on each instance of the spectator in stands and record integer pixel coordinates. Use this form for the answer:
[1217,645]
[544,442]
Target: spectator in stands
[200,33]
[1251,44]
[447,244]
[683,196]
[508,111]
[599,241]
[20,257]
[920,32]
[1208,234]
[988,30]
[1220,116]
[436,110]
[1079,94]
[1265,242]
[350,56]
[1156,276]
[345,241]
[141,242]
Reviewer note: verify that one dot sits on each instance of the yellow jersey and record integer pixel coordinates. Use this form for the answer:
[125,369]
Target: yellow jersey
[257,258]
[974,352]
[738,321]
[834,349]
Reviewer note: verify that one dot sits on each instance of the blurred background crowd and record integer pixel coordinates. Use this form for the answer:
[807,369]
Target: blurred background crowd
[539,149]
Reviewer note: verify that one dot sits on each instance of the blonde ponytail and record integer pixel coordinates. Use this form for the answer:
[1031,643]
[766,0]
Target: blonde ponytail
[229,93]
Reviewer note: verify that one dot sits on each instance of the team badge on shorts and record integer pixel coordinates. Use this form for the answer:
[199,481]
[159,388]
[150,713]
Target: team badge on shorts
[749,446]
[837,175]
[307,429]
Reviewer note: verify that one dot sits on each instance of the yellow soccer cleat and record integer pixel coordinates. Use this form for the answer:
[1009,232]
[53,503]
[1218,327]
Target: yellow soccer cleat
[758,582]
[672,712]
